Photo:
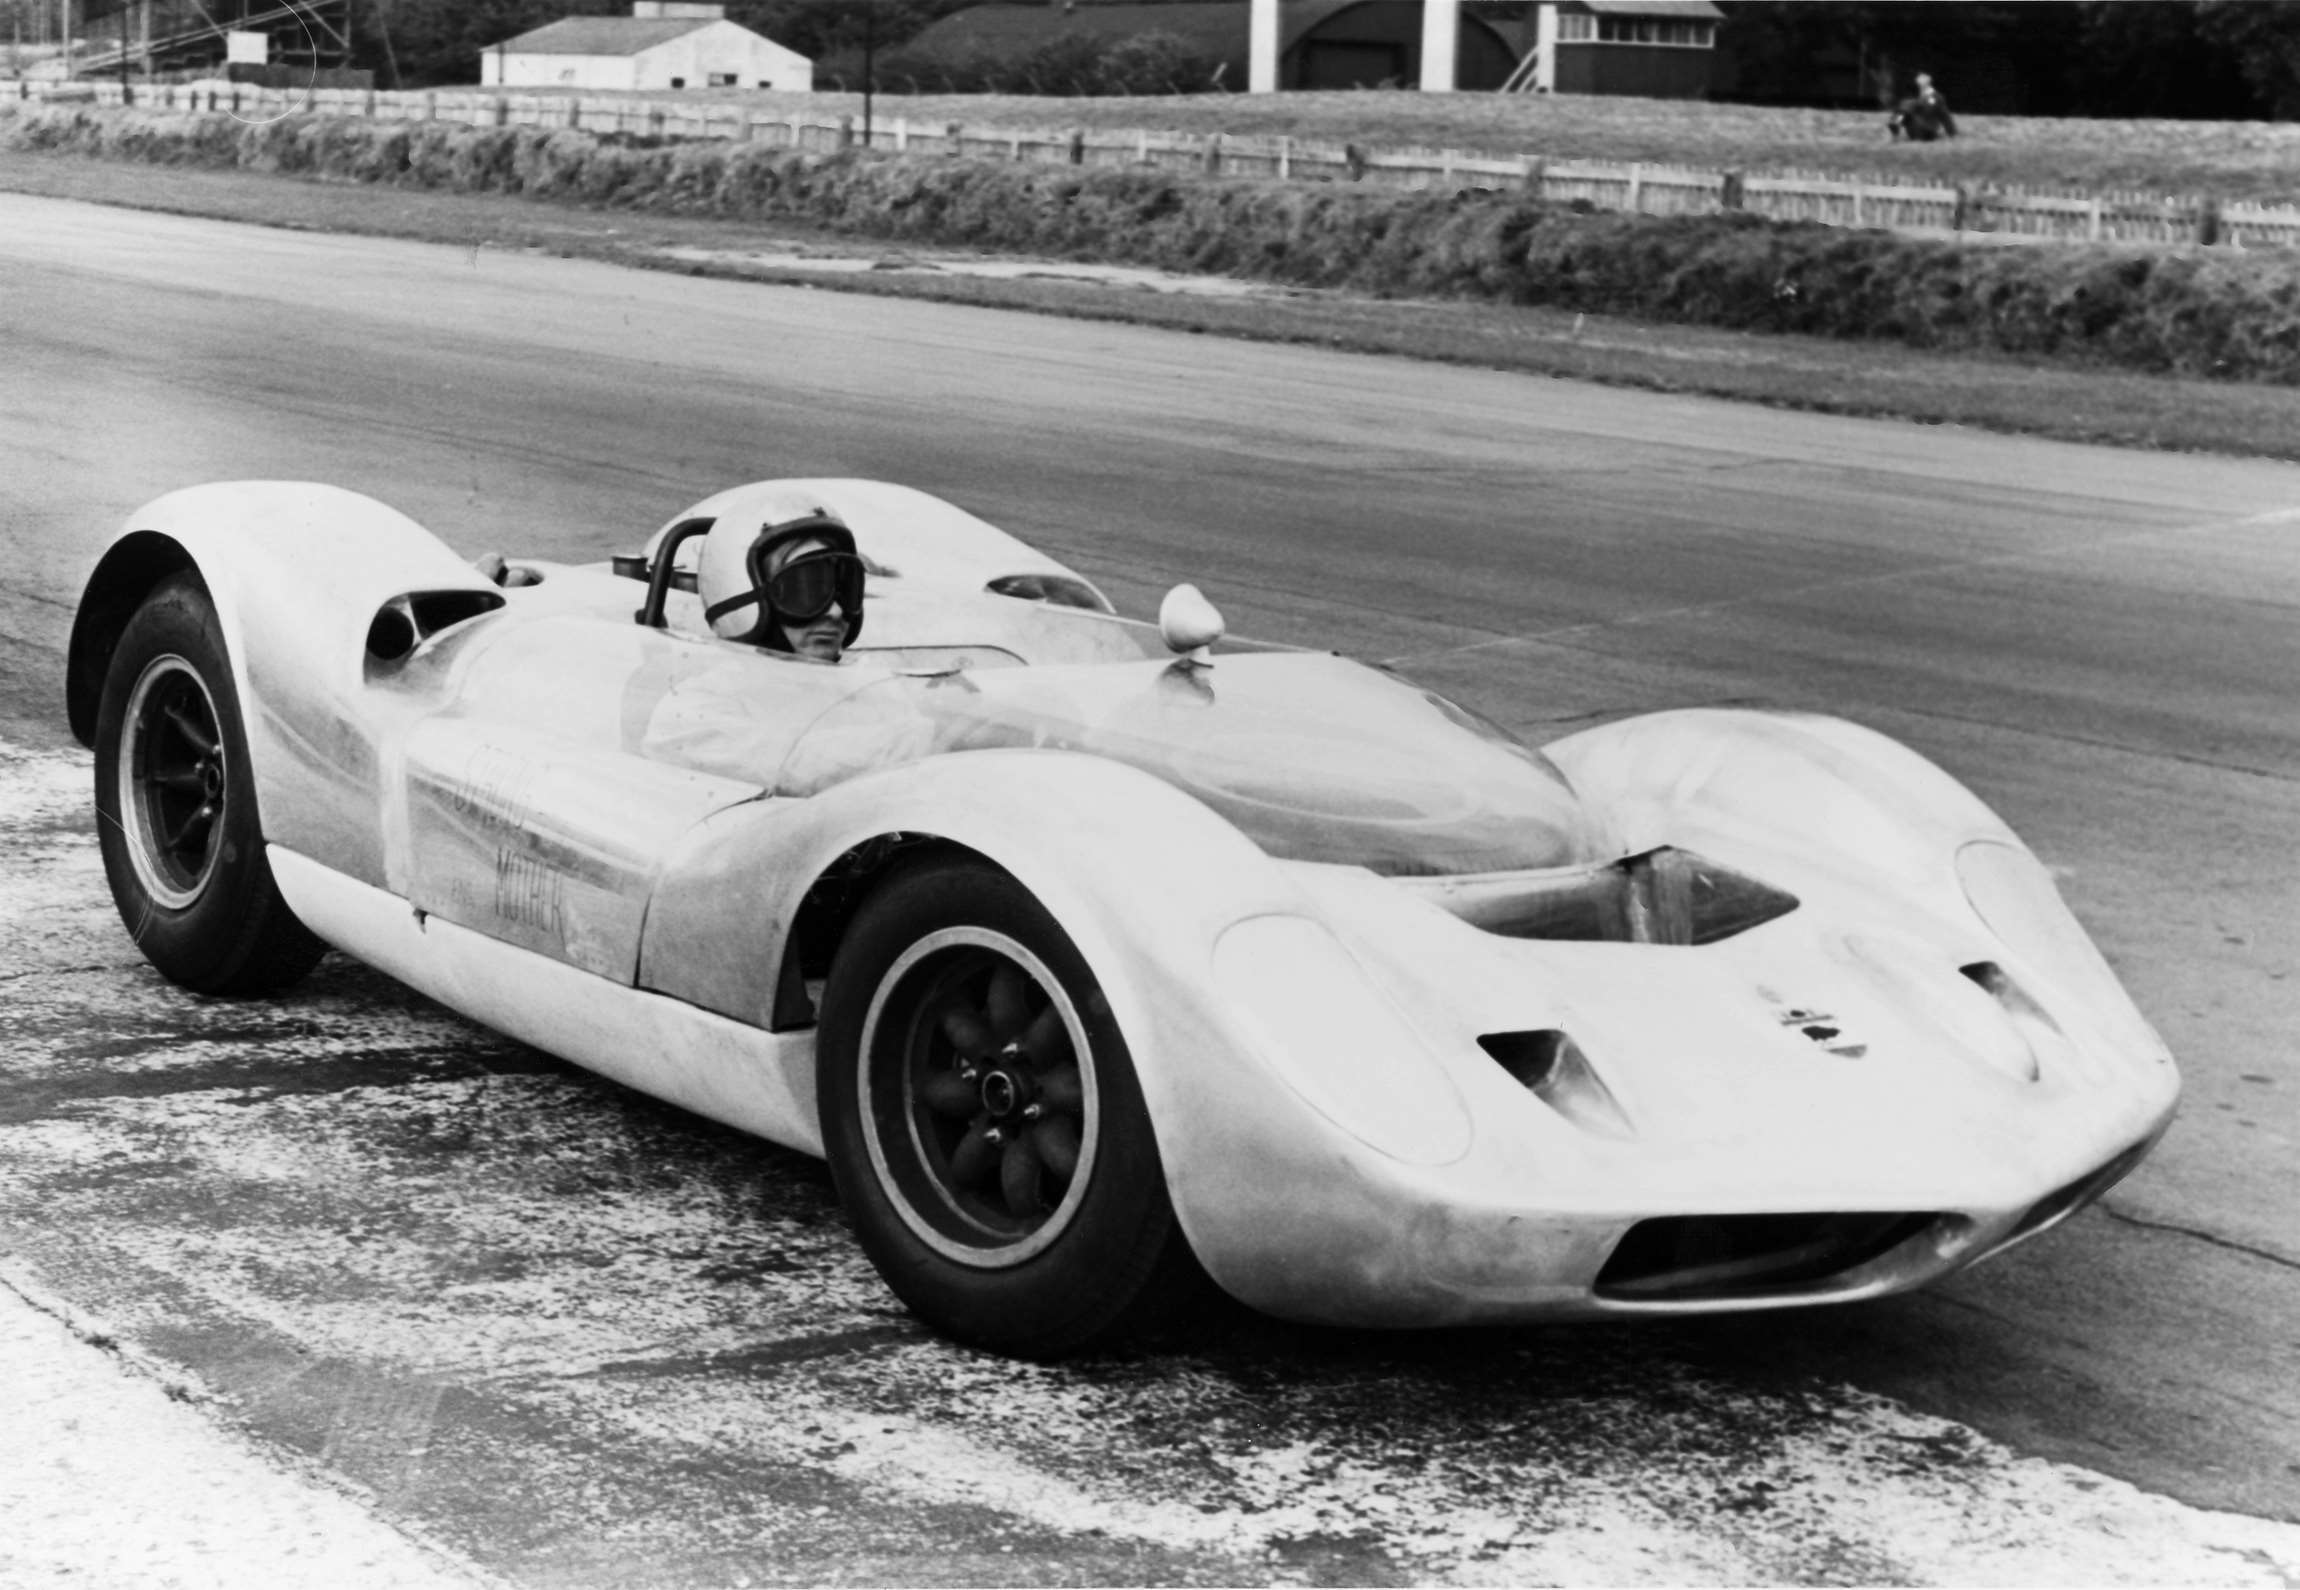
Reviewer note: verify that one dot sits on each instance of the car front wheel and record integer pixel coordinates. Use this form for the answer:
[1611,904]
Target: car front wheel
[984,1123]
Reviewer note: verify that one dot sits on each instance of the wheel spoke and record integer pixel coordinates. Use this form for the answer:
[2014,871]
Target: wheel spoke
[1047,1041]
[185,781]
[950,1095]
[1056,1139]
[192,832]
[1062,1090]
[1008,1012]
[201,737]
[968,1033]
[1018,1170]
[976,1158]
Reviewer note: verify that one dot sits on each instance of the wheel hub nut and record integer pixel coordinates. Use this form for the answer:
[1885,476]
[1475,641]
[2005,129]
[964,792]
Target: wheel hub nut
[999,1093]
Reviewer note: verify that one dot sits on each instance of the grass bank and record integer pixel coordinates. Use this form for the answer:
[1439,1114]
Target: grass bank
[2217,313]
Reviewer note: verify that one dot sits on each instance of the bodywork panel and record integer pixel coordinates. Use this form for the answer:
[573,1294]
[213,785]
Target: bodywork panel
[1431,1026]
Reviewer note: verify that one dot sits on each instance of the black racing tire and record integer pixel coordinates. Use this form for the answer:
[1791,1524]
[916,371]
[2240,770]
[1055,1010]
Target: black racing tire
[176,807]
[985,1126]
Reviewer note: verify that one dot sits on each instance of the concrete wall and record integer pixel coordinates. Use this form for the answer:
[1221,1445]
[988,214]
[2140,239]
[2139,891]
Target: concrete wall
[500,67]
[723,49]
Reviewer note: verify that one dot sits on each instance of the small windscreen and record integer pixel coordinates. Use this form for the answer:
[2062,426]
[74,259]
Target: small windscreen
[1312,757]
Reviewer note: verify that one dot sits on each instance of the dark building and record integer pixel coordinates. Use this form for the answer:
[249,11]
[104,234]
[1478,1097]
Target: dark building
[1322,43]
[1659,49]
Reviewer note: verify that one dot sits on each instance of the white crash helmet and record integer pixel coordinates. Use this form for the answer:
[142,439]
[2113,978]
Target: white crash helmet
[732,577]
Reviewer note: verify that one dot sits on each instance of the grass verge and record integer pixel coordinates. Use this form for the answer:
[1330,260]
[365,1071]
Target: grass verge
[1811,373]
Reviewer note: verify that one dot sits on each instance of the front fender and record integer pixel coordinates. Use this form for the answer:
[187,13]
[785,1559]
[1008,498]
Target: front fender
[299,574]
[1127,864]
[1737,783]
[1839,813]
[1275,1072]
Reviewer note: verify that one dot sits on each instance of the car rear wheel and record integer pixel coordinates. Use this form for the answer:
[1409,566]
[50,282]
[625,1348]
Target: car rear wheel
[176,808]
[984,1123]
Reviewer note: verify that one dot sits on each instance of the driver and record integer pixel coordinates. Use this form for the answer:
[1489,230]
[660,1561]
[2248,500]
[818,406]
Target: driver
[795,585]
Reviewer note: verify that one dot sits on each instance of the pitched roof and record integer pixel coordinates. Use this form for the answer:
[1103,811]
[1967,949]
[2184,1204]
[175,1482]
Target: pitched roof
[602,35]
[1680,10]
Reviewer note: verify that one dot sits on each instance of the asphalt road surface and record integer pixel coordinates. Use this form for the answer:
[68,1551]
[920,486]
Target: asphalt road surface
[583,1339]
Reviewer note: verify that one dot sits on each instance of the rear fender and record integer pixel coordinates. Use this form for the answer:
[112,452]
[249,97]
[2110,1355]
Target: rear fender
[304,579]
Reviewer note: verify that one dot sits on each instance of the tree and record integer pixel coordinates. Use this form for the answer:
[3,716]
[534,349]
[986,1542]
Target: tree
[2263,37]
[823,28]
[418,43]
[2059,57]
[2155,58]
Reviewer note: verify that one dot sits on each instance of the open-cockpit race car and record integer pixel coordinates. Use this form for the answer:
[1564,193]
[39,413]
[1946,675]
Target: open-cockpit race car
[1102,957]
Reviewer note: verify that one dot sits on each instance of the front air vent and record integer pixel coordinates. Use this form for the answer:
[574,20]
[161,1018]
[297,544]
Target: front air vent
[1549,1065]
[2017,1001]
[1665,896]
[2037,1030]
[1712,1258]
[1529,1057]
[406,622]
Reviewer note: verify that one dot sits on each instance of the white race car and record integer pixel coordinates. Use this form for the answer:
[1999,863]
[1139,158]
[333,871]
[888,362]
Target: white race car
[1099,957]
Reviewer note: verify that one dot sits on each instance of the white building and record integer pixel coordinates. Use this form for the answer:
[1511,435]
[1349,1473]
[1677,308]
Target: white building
[663,44]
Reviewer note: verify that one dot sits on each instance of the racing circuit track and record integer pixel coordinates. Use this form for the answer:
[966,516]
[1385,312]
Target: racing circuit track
[582,1339]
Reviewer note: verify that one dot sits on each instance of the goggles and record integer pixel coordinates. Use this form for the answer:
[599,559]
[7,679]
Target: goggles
[803,591]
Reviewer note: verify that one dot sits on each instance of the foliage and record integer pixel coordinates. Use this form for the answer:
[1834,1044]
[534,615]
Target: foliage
[2156,60]
[2264,38]
[821,28]
[422,43]
[2056,57]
